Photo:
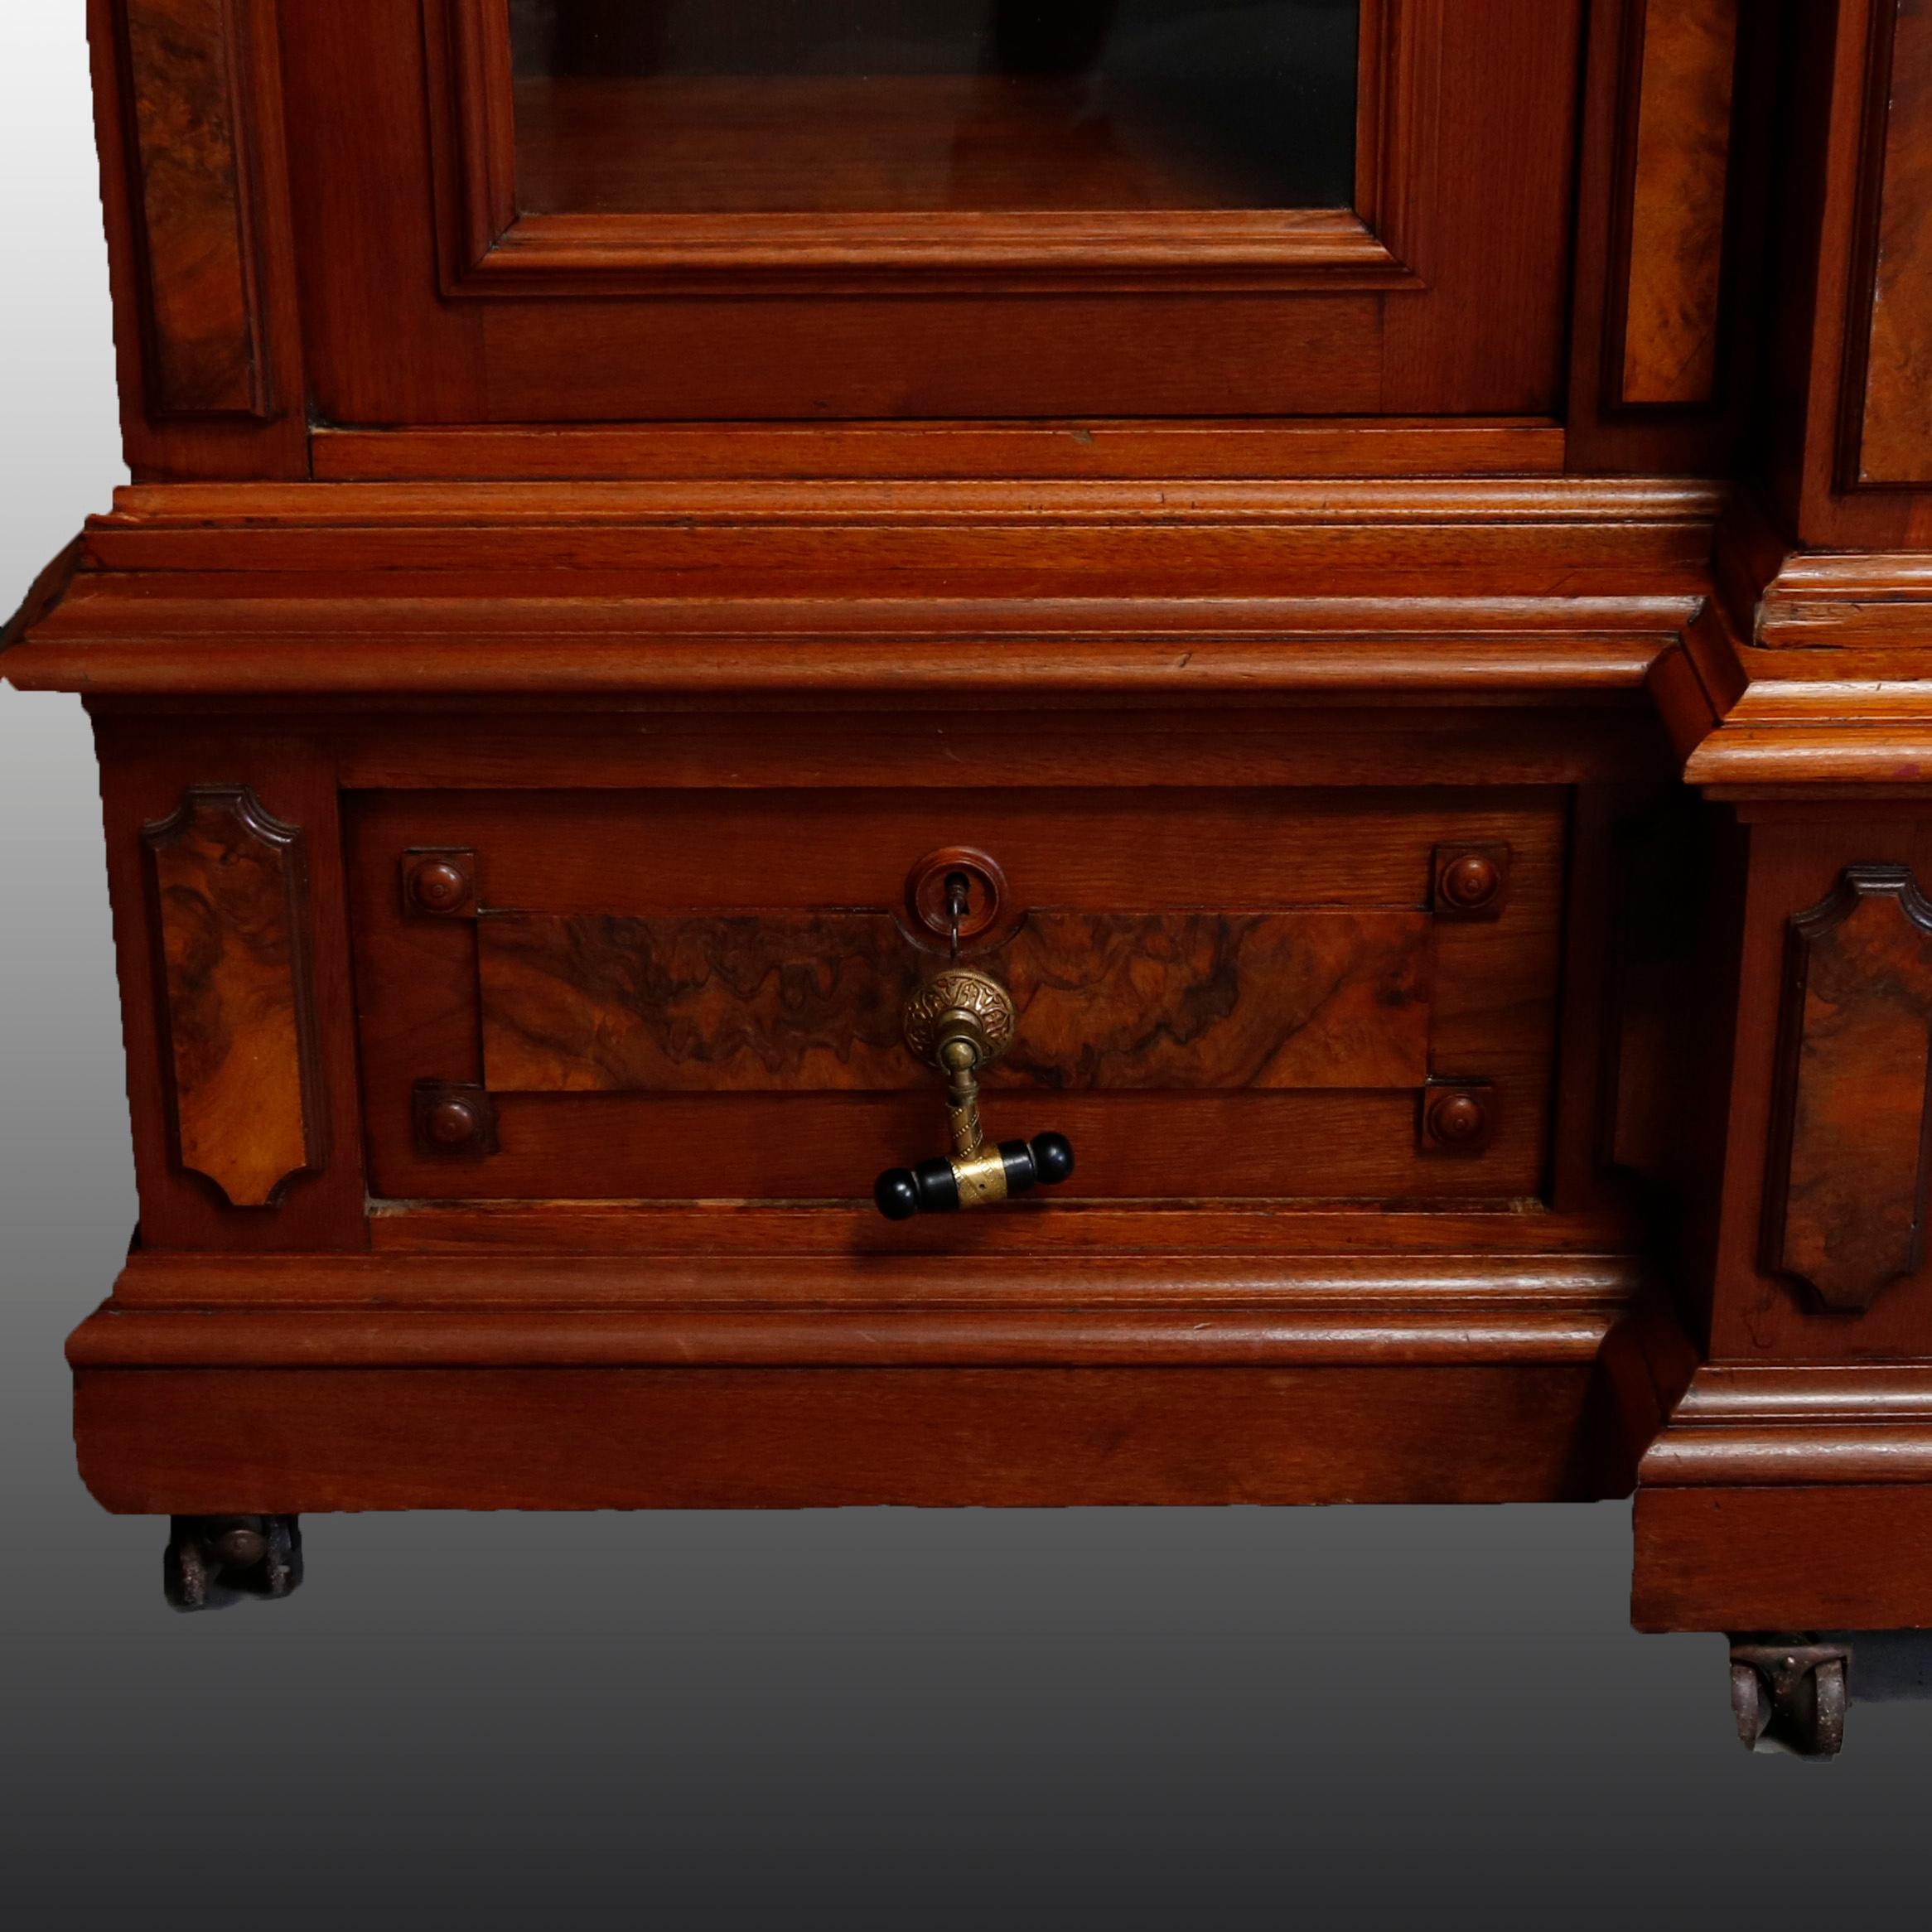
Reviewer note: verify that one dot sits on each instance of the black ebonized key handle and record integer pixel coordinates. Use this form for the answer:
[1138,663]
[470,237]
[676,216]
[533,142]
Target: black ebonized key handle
[940,1186]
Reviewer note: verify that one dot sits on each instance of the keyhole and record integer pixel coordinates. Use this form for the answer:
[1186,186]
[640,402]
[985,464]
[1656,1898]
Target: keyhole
[956,891]
[959,905]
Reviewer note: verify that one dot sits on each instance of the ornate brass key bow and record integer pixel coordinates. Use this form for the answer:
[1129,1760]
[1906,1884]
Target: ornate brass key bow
[962,1021]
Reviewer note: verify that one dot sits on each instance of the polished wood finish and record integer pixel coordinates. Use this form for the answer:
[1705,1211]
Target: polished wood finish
[230,909]
[201,306]
[453,1118]
[1457,1118]
[593,184]
[1793,861]
[441,883]
[145,777]
[1015,591]
[1894,440]
[1453,303]
[1845,1198]
[684,1437]
[1680,177]
[1472,881]
[1117,447]
[1792,1496]
[753,1002]
[1142,1059]
[1833,170]
[1425,675]
[1839,1555]
[202,257]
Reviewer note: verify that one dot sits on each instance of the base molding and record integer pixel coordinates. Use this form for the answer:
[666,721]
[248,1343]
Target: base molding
[281,1386]
[1789,1497]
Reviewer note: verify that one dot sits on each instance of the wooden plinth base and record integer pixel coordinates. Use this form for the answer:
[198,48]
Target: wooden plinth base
[639,1382]
[1769,1499]
[1789,1499]
[207,1441]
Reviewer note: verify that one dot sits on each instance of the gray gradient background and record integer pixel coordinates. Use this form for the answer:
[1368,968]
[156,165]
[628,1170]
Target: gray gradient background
[1182,1718]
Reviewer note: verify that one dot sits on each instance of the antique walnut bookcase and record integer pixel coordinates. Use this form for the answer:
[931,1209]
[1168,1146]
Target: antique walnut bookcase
[1319,606]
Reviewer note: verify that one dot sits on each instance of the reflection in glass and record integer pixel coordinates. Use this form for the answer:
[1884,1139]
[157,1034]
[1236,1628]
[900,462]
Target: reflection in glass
[697,106]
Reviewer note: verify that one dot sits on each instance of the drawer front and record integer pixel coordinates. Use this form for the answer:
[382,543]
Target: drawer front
[1220,994]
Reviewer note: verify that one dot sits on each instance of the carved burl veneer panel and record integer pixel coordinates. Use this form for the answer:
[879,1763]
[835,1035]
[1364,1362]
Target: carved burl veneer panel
[203,337]
[229,889]
[777,1001]
[1681,181]
[1846,1191]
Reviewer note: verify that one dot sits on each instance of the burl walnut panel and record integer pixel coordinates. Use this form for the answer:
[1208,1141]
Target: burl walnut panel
[201,322]
[1682,173]
[228,886]
[1896,445]
[1845,1191]
[777,1003]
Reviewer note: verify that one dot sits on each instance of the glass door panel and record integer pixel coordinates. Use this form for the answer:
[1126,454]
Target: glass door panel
[707,106]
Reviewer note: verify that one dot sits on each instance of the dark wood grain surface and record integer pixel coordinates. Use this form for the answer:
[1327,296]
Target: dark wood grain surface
[1845,1193]
[1789,1494]
[1792,858]
[1832,1556]
[1680,181]
[764,1438]
[1364,446]
[146,772]
[228,882]
[1182,1113]
[1896,444]
[201,319]
[773,1003]
[673,573]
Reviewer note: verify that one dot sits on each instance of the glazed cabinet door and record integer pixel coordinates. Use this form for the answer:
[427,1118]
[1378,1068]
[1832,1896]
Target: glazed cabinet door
[701,995]
[554,211]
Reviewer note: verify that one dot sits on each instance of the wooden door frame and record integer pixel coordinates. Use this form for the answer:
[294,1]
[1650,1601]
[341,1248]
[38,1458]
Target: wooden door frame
[487,247]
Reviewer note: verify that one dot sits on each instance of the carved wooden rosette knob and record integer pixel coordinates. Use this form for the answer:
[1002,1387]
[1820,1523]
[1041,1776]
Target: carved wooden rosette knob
[1471,881]
[960,1022]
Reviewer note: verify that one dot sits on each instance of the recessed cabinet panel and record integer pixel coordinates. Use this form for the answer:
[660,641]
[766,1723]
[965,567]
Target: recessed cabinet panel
[536,211]
[768,106]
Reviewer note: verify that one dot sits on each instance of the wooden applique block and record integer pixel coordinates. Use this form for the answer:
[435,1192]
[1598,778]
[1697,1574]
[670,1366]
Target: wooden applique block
[230,891]
[796,1002]
[203,329]
[1845,1195]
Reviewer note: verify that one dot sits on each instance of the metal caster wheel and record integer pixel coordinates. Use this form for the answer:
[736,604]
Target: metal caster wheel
[214,1561]
[1789,1691]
